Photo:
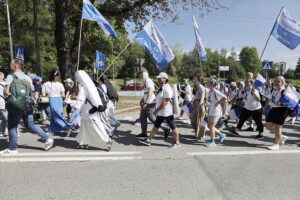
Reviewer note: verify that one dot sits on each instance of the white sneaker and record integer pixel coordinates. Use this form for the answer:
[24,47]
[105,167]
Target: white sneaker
[49,144]
[1,135]
[274,147]
[8,152]
[283,140]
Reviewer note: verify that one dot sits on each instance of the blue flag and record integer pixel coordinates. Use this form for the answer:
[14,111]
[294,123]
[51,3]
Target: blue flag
[287,30]
[154,43]
[100,61]
[19,54]
[200,46]
[91,13]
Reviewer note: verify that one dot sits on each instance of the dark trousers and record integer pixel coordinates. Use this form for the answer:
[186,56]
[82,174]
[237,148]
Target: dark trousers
[257,117]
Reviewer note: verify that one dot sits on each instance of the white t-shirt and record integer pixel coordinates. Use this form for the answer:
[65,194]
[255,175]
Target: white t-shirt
[250,103]
[224,90]
[188,89]
[2,101]
[166,93]
[148,83]
[213,97]
[233,94]
[53,89]
[274,97]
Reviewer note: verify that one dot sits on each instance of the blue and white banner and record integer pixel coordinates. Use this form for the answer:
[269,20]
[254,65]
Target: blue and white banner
[287,30]
[290,98]
[259,81]
[154,43]
[19,54]
[91,13]
[200,46]
[100,61]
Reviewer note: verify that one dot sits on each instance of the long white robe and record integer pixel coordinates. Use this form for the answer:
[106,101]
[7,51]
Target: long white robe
[92,130]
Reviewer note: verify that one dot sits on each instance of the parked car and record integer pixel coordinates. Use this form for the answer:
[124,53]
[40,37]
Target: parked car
[133,86]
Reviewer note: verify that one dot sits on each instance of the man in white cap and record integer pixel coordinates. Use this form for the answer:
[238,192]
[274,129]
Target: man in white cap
[164,111]
[148,105]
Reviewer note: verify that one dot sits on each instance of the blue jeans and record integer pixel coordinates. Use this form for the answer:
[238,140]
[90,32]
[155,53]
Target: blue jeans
[13,122]
[3,123]
[44,112]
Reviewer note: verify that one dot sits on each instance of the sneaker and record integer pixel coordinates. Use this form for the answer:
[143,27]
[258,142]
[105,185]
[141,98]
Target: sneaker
[1,135]
[259,136]
[283,140]
[175,145]
[167,133]
[179,118]
[145,142]
[210,144]
[222,137]
[8,152]
[141,135]
[49,144]
[109,144]
[249,129]
[84,146]
[234,133]
[274,147]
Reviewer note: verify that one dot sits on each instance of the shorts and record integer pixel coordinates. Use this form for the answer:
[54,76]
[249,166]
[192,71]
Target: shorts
[185,102]
[277,115]
[170,121]
[213,118]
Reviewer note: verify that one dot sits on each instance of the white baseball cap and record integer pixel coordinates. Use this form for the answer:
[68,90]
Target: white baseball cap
[163,75]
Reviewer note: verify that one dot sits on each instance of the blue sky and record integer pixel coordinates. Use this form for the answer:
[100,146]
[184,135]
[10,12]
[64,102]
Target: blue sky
[244,23]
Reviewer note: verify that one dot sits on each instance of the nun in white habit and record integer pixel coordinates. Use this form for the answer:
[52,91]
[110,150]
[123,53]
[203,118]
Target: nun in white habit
[92,130]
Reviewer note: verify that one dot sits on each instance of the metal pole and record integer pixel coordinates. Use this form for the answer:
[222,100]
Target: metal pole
[270,35]
[112,53]
[79,45]
[9,32]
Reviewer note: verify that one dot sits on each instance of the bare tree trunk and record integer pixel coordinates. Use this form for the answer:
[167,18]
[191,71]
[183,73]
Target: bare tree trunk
[37,66]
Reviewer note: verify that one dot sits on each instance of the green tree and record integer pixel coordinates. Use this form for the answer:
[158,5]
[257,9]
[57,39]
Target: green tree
[249,59]
[290,74]
[297,70]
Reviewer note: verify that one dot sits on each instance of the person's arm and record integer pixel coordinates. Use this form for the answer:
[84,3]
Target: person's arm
[62,94]
[6,90]
[255,95]
[224,99]
[162,105]
[36,96]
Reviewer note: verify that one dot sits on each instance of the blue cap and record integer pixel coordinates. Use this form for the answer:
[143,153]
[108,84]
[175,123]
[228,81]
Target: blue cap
[36,79]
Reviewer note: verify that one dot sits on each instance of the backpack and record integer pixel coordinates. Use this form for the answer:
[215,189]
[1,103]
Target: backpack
[104,100]
[20,92]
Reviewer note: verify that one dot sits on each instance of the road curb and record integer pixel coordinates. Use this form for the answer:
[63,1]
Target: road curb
[125,110]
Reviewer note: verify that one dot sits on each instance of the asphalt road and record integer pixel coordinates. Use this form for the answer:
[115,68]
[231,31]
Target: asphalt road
[240,168]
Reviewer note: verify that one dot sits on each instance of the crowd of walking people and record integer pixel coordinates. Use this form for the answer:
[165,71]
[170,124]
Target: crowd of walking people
[90,108]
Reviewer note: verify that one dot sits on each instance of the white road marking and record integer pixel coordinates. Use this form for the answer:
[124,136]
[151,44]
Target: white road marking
[63,159]
[238,153]
[80,153]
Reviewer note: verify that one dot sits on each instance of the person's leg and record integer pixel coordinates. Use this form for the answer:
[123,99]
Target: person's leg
[159,120]
[3,121]
[171,122]
[144,123]
[29,123]
[244,116]
[278,133]
[257,117]
[13,121]
[212,129]
[270,127]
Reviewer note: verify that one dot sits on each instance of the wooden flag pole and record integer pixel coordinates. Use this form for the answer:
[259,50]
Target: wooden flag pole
[79,45]
[114,60]
[270,34]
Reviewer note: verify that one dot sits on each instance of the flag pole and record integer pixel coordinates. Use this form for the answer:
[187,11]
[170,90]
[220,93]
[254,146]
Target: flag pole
[79,45]
[114,60]
[270,34]
[201,70]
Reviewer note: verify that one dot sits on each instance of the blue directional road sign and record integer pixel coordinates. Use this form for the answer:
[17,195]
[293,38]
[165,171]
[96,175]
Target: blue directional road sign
[267,66]
[19,53]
